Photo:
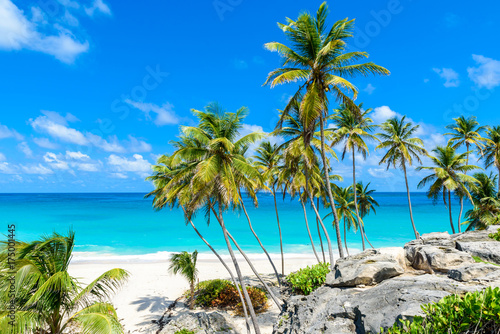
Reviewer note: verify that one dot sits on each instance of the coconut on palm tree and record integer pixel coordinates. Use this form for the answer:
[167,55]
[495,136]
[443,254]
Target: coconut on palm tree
[319,59]
[352,129]
[486,200]
[48,299]
[448,175]
[465,131]
[185,264]
[398,138]
[491,153]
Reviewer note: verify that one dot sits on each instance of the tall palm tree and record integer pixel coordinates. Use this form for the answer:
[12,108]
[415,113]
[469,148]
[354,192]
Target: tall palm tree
[344,198]
[185,264]
[352,128]
[319,59]
[486,200]
[403,148]
[448,175]
[48,299]
[465,131]
[491,152]
[366,203]
[267,160]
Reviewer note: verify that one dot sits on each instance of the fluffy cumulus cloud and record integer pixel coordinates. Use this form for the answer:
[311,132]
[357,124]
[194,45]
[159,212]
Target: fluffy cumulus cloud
[165,114]
[48,27]
[71,161]
[451,78]
[5,132]
[383,113]
[486,73]
[137,164]
[58,127]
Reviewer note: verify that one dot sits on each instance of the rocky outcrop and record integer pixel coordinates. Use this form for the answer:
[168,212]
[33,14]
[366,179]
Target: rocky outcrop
[200,323]
[366,268]
[375,288]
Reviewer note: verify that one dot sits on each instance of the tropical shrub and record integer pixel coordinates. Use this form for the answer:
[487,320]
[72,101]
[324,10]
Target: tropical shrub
[223,294]
[308,279]
[495,236]
[475,312]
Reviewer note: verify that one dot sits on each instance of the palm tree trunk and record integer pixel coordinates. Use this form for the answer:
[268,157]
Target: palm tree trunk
[319,234]
[278,302]
[330,251]
[233,279]
[329,190]
[308,231]
[409,202]
[460,215]
[238,272]
[449,208]
[279,229]
[191,300]
[366,237]
[260,243]
[355,190]
[345,238]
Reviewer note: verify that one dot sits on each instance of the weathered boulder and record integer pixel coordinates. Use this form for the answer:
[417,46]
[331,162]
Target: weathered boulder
[200,323]
[472,271]
[368,309]
[366,268]
[398,253]
[488,251]
[435,258]
[442,239]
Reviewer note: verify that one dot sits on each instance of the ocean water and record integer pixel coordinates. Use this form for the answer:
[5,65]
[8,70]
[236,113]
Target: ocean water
[126,224]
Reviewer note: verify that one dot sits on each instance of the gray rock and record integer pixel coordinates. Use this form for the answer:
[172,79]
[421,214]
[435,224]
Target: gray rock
[437,239]
[200,323]
[473,236]
[488,251]
[493,228]
[435,258]
[368,309]
[473,271]
[366,268]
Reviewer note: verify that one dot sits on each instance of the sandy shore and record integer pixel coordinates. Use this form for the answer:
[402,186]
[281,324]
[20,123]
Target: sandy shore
[151,289]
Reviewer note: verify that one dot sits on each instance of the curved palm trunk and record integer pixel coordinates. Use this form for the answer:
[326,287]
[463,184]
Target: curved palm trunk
[233,279]
[329,191]
[319,234]
[498,167]
[238,272]
[330,251]
[279,229]
[355,189]
[345,238]
[449,208]
[278,302]
[260,243]
[366,237]
[409,202]
[308,230]
[460,215]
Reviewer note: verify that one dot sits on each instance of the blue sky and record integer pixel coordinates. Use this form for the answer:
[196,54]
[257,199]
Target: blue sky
[93,91]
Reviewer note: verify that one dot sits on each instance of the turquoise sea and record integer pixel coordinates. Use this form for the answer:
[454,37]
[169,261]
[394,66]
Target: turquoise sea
[126,224]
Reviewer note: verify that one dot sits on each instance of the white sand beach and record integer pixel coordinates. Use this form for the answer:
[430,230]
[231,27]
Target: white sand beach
[151,289]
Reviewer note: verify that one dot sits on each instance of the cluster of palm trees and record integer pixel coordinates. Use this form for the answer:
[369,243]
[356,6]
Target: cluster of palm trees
[211,167]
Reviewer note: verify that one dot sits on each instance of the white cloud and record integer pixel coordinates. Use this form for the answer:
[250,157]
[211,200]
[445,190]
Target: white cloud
[383,113]
[45,143]
[55,162]
[136,145]
[137,164]
[76,156]
[434,140]
[98,6]
[164,114]
[449,75]
[486,73]
[369,89]
[17,32]
[113,145]
[23,147]
[5,132]
[2,157]
[36,169]
[6,168]
[119,175]
[381,173]
[87,167]
[58,129]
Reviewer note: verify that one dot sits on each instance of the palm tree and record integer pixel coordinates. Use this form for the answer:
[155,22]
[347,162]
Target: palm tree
[267,160]
[486,200]
[398,138]
[345,209]
[185,264]
[319,59]
[491,152]
[366,203]
[448,175]
[465,131]
[352,128]
[48,299]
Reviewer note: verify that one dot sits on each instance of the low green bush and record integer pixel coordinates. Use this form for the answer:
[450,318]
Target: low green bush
[208,291]
[477,312]
[495,236]
[308,279]
[184,331]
